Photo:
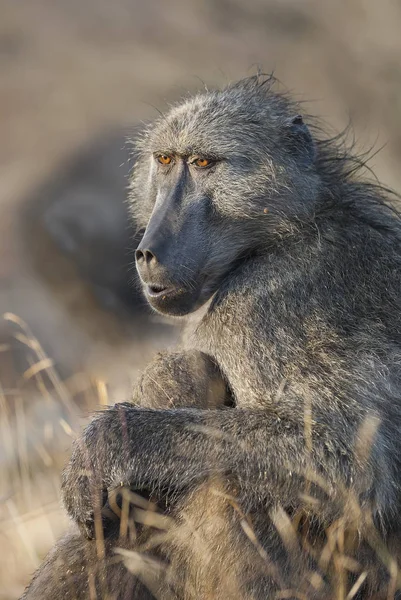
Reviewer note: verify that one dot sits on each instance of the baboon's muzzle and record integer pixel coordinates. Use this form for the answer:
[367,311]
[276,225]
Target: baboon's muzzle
[171,257]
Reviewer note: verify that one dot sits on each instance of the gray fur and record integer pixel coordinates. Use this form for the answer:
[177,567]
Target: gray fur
[299,262]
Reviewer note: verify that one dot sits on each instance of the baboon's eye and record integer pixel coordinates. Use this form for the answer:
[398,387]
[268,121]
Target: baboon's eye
[164,159]
[202,162]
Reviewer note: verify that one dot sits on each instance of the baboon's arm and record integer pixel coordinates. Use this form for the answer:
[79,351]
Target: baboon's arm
[264,456]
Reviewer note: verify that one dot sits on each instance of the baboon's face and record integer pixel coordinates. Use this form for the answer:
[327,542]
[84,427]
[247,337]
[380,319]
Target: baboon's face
[218,178]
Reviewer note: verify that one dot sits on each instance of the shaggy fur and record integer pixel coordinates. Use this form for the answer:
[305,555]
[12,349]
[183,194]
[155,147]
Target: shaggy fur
[287,479]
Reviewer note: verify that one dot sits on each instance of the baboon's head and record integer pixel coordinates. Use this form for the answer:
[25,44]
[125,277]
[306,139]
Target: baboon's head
[223,175]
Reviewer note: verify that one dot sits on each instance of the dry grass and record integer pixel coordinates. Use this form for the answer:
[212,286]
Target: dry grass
[38,421]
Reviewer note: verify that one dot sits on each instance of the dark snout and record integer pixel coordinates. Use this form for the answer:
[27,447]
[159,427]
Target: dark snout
[152,265]
[170,259]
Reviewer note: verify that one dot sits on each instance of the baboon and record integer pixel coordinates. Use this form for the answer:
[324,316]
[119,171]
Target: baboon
[284,479]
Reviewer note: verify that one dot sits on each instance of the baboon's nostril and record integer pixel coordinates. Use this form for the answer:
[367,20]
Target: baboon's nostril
[145,256]
[139,255]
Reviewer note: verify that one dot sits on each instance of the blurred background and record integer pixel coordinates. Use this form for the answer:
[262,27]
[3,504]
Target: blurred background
[77,77]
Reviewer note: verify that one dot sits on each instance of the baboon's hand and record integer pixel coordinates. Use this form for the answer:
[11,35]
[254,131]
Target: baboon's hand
[122,446]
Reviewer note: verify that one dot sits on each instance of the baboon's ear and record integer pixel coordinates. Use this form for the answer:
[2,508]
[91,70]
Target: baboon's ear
[299,140]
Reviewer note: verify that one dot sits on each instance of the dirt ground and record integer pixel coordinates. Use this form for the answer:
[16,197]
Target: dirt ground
[76,71]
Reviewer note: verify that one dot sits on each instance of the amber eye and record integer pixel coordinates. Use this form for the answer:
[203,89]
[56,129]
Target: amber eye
[202,162]
[164,159]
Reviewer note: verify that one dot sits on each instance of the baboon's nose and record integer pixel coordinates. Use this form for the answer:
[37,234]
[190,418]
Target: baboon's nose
[145,257]
[147,264]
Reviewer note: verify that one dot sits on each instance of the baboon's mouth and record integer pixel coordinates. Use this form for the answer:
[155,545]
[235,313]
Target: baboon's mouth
[178,300]
[158,291]
[171,300]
